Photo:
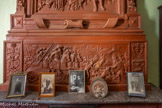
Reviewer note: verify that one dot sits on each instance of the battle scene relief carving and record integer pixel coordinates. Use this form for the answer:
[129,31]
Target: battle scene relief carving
[13,58]
[110,63]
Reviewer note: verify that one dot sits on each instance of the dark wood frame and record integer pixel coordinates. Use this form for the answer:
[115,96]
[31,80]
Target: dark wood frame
[160,44]
[9,88]
[84,80]
[40,79]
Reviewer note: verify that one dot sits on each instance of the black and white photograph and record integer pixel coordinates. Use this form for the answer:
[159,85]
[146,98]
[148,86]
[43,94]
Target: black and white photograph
[77,81]
[136,86]
[47,85]
[17,85]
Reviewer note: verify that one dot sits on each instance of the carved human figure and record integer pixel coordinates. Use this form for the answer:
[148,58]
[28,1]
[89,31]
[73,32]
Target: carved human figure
[113,72]
[90,64]
[75,4]
[65,59]
[55,60]
[41,3]
[20,5]
[57,4]
[132,5]
[100,5]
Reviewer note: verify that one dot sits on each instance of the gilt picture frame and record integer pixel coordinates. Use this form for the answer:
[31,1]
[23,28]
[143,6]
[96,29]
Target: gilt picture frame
[17,85]
[47,84]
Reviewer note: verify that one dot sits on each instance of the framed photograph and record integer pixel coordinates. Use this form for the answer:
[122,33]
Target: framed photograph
[17,85]
[136,85]
[77,81]
[47,85]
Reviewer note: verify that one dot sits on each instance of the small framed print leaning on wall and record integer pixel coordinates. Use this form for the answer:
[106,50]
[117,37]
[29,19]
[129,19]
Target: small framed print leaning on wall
[77,81]
[136,86]
[47,85]
[17,85]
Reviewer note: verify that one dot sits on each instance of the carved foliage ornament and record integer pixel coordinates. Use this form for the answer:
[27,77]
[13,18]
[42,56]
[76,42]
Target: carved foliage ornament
[13,56]
[138,57]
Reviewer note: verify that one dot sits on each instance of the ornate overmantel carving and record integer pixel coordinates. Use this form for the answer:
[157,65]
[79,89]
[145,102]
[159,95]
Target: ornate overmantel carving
[102,37]
[96,14]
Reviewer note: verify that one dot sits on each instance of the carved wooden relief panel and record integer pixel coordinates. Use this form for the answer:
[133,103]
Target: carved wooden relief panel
[109,61]
[12,58]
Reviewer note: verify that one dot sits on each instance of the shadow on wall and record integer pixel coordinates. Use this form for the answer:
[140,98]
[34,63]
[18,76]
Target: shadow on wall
[149,26]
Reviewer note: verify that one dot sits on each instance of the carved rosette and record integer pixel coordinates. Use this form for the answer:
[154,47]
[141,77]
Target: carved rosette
[138,53]
[17,21]
[110,63]
[12,58]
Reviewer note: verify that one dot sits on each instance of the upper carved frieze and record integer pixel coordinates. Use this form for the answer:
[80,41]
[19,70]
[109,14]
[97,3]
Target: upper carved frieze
[74,5]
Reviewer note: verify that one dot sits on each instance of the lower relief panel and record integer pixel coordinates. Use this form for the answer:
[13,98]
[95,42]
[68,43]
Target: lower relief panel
[108,60]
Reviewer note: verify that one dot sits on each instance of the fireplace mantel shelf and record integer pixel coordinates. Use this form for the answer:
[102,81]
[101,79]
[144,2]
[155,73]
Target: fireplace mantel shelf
[152,97]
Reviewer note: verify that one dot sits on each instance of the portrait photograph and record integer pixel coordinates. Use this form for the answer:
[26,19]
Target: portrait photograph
[136,85]
[47,85]
[17,85]
[77,81]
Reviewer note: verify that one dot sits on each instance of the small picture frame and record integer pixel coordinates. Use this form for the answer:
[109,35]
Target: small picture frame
[135,83]
[77,81]
[17,85]
[47,84]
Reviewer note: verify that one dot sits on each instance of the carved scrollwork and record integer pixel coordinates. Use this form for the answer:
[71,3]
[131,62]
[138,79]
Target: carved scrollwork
[74,24]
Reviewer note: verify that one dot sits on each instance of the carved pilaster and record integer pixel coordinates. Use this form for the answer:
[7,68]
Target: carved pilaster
[138,57]
[12,58]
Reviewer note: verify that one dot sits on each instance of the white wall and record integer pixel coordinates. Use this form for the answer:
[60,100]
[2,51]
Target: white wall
[7,7]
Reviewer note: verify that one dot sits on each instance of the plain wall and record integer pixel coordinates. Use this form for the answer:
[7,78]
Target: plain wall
[150,24]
